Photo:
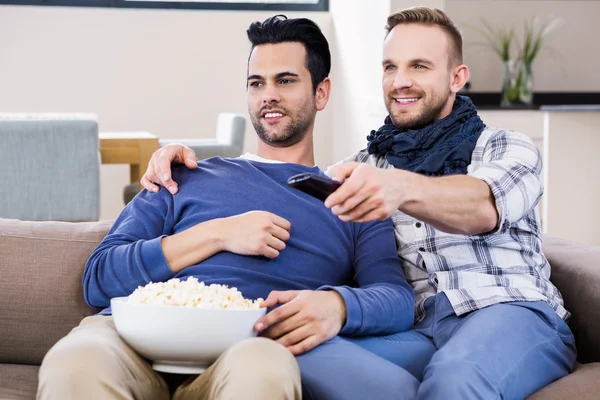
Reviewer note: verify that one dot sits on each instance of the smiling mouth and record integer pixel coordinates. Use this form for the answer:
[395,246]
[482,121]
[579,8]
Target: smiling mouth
[272,115]
[404,101]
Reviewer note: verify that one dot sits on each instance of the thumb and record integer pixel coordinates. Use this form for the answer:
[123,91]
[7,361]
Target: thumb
[278,297]
[189,157]
[343,171]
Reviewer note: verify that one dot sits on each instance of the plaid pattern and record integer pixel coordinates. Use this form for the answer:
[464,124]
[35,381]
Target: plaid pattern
[480,270]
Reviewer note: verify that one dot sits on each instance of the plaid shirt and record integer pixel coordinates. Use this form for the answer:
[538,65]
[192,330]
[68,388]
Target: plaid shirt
[476,271]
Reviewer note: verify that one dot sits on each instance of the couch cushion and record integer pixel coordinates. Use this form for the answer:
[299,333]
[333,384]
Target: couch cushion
[582,384]
[576,274]
[41,265]
[18,382]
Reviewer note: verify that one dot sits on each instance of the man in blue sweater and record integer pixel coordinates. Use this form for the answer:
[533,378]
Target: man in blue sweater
[237,222]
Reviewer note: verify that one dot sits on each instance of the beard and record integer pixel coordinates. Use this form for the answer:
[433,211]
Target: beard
[429,111]
[291,133]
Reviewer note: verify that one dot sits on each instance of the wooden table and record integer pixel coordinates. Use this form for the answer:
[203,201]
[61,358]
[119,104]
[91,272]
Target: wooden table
[133,148]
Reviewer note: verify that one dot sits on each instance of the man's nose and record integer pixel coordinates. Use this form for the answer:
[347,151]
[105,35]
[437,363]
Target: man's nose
[402,81]
[271,95]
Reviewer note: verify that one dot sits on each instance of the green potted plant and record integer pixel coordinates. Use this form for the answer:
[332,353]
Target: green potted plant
[517,86]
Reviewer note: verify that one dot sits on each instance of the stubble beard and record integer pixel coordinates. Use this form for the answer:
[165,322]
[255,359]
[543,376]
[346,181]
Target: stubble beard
[292,133]
[430,111]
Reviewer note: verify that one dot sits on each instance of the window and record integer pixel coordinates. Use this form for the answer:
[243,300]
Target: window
[274,5]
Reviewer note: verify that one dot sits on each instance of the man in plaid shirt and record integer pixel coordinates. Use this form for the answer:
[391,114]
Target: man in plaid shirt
[463,198]
[467,228]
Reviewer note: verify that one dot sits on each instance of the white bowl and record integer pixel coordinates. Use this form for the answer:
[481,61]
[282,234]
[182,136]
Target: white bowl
[181,340]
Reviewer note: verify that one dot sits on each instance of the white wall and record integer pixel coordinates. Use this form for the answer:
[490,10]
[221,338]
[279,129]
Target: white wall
[166,72]
[572,188]
[358,103]
[570,63]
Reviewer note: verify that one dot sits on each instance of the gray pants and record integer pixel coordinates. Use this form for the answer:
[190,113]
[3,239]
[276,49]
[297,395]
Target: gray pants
[93,362]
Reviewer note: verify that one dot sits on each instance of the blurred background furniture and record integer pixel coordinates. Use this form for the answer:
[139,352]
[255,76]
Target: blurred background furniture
[133,148]
[41,265]
[50,167]
[229,142]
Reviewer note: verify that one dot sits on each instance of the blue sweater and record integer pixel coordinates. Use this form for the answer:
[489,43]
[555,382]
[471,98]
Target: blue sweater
[359,261]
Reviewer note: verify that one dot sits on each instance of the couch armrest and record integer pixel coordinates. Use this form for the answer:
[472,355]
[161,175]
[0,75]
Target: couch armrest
[576,273]
[582,384]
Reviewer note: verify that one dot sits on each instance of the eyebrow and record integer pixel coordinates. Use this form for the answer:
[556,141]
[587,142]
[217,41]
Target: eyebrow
[411,62]
[278,76]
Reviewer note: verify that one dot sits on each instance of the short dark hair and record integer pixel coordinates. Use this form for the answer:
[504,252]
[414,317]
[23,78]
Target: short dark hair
[280,29]
[431,17]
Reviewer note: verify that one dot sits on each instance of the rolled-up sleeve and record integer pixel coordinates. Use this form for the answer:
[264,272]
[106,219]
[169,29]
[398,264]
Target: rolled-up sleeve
[512,167]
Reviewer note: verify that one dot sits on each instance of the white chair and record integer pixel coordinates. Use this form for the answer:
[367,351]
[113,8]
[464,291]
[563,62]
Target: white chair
[229,141]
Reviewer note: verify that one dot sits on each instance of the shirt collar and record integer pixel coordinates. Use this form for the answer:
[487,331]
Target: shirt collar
[254,157]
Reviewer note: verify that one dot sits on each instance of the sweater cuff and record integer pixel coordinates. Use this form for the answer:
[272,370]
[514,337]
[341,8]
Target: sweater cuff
[353,310]
[154,261]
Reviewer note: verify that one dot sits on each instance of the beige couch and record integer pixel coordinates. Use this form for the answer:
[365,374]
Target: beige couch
[41,299]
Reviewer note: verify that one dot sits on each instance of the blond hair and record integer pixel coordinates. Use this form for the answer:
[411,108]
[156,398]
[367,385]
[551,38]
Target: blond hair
[431,17]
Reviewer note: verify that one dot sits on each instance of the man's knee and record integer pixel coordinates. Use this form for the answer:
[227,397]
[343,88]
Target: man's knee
[256,368]
[97,364]
[72,368]
[74,358]
[456,379]
[262,356]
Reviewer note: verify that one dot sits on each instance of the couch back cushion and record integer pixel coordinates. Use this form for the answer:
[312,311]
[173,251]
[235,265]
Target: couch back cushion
[41,294]
[576,274]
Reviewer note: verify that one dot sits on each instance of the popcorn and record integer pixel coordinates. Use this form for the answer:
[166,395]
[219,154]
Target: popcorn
[191,293]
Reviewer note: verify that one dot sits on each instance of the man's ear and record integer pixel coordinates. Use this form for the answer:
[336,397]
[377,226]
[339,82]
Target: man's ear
[460,76]
[322,94]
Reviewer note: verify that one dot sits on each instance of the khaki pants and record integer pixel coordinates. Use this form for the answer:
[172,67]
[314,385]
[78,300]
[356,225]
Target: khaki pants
[92,362]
